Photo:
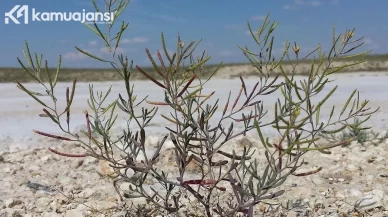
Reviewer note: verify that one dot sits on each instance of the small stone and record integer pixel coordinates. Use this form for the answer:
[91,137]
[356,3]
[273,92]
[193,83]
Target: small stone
[140,157]
[355,192]
[371,160]
[340,196]
[104,169]
[244,142]
[11,203]
[90,160]
[34,168]
[292,214]
[78,163]
[86,193]
[43,201]
[2,205]
[11,212]
[64,180]
[152,141]
[371,200]
[318,180]
[351,167]
[50,214]
[354,145]
[74,213]
[45,158]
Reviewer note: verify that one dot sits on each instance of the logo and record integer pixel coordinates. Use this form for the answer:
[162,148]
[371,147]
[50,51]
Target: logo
[21,10]
[84,17]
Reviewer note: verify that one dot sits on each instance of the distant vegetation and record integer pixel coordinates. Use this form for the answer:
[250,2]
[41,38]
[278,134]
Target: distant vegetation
[373,63]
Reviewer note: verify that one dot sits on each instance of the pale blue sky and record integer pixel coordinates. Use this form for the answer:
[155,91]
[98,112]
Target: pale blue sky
[220,24]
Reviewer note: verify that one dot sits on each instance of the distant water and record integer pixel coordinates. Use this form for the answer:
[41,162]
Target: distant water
[19,114]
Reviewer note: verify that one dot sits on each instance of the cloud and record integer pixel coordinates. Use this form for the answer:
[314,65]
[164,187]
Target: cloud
[289,7]
[296,3]
[74,56]
[371,44]
[105,51]
[258,18]
[164,17]
[233,27]
[99,52]
[226,53]
[92,48]
[135,40]
[239,26]
[308,3]
[92,43]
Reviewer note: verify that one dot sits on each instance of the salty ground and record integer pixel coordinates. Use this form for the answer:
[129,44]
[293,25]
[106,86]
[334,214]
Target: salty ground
[353,180]
[19,113]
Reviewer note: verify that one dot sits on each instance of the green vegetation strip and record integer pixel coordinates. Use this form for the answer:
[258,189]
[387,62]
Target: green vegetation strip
[373,63]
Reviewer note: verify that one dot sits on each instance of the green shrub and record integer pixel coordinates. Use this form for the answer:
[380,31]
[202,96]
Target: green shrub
[223,172]
[356,133]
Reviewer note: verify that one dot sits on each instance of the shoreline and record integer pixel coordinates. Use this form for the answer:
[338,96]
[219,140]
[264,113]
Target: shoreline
[371,65]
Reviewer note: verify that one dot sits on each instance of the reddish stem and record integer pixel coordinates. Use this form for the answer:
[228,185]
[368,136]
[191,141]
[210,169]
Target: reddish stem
[88,126]
[53,136]
[187,85]
[238,97]
[151,78]
[66,155]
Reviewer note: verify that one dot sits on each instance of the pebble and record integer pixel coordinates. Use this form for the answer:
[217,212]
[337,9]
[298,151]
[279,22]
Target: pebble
[371,200]
[318,180]
[104,169]
[355,193]
[10,203]
[351,167]
[68,187]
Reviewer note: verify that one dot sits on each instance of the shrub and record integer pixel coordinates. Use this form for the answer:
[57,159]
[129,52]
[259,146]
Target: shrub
[227,181]
[363,136]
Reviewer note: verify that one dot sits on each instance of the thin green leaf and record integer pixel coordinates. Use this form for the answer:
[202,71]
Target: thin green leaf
[91,55]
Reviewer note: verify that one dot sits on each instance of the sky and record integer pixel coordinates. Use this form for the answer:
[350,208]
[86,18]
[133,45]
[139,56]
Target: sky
[220,25]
